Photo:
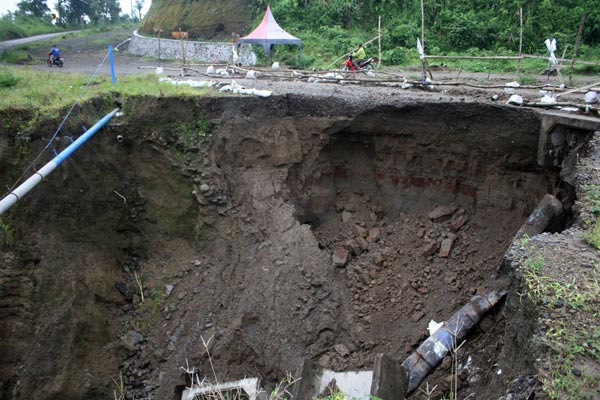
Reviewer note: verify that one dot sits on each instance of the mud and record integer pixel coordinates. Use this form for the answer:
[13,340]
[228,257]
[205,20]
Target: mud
[229,211]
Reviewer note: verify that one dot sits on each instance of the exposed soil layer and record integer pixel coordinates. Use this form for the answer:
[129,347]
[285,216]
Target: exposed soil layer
[229,211]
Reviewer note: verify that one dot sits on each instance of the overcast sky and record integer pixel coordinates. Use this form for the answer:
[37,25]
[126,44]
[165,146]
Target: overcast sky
[11,5]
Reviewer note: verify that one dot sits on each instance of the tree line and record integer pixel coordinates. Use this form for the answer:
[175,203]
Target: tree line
[77,12]
[456,25]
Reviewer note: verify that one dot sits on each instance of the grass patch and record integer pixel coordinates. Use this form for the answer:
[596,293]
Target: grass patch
[567,295]
[18,56]
[195,131]
[592,195]
[7,79]
[27,88]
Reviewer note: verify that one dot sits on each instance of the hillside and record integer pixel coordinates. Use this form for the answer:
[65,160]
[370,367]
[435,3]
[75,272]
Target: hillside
[205,19]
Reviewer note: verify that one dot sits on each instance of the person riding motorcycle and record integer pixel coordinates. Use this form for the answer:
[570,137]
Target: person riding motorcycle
[359,55]
[54,53]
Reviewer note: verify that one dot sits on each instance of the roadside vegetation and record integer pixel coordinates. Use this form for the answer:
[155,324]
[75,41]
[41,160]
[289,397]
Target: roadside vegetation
[491,28]
[34,17]
[567,293]
[592,192]
[47,93]
[18,26]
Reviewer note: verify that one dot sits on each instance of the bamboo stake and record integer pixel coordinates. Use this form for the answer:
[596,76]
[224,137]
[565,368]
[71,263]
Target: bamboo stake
[379,36]
[520,39]
[579,33]
[182,47]
[422,24]
[578,89]
[558,65]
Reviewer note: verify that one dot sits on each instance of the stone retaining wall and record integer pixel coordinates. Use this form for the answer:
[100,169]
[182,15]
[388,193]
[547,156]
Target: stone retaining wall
[205,52]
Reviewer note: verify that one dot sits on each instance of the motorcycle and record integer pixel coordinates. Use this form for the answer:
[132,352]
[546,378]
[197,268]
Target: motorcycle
[363,66]
[58,61]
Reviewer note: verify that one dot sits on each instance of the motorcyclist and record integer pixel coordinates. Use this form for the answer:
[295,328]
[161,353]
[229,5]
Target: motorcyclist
[359,55]
[54,54]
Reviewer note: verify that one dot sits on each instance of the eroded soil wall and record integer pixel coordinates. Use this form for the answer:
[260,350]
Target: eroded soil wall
[228,210]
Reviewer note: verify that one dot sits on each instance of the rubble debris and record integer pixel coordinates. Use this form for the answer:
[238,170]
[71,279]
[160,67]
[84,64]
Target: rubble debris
[458,221]
[439,213]
[250,387]
[340,256]
[374,235]
[390,380]
[346,216]
[429,249]
[445,247]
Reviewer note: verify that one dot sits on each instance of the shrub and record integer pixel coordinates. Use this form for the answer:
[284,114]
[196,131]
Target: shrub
[7,79]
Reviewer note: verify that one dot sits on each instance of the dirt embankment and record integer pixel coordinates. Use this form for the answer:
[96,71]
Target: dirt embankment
[226,212]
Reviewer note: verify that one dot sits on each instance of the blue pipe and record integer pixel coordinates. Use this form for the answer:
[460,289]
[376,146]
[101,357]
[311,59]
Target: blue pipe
[83,138]
[43,172]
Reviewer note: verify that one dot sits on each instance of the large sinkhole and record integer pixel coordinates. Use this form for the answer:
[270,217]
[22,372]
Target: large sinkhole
[144,255]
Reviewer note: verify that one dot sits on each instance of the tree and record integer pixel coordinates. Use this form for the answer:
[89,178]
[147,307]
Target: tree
[35,8]
[104,10]
[139,4]
[77,11]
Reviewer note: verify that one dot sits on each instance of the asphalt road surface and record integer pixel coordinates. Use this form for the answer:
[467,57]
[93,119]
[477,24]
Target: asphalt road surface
[16,42]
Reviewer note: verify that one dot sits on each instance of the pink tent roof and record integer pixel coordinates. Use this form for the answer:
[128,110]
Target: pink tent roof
[269,32]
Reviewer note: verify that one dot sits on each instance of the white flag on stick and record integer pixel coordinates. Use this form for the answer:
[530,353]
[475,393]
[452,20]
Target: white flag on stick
[551,45]
[420,50]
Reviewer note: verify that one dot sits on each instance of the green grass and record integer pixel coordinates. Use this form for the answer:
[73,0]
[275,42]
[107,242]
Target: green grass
[195,131]
[28,88]
[18,56]
[569,335]
[592,196]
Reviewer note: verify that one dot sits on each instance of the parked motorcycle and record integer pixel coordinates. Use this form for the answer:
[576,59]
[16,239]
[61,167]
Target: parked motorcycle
[58,61]
[363,66]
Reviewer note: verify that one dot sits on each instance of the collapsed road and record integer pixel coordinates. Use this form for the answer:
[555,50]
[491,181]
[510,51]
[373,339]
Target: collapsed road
[283,229]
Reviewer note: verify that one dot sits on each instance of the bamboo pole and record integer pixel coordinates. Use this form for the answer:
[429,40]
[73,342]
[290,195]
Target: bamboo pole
[422,24]
[579,33]
[182,46]
[578,89]
[508,58]
[379,36]
[558,65]
[520,39]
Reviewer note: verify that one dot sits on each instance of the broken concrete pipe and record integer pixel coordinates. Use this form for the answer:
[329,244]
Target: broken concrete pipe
[431,352]
[548,209]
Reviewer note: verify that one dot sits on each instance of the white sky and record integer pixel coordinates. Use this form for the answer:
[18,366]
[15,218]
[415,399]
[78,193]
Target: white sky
[11,5]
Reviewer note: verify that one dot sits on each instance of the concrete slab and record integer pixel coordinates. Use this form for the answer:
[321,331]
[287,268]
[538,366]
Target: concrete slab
[390,379]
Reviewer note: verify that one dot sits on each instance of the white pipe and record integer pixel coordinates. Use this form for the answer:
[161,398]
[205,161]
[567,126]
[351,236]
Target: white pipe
[26,186]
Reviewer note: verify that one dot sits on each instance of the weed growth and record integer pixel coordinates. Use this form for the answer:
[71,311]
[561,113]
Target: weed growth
[7,232]
[569,301]
[7,78]
[195,131]
[592,194]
